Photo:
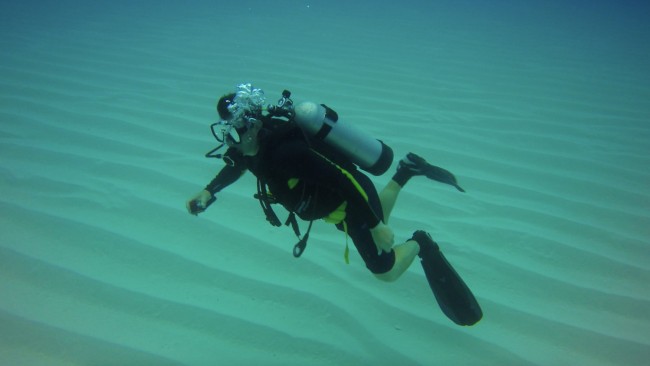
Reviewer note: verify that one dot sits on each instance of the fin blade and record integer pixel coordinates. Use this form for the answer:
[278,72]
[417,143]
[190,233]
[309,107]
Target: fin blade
[443,176]
[455,299]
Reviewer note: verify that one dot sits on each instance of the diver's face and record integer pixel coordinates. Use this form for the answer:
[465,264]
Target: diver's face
[248,144]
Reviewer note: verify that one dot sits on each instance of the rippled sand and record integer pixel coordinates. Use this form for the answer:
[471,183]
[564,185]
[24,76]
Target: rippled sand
[104,120]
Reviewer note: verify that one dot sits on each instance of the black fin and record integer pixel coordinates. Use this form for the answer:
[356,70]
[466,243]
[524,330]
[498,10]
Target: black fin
[454,297]
[443,176]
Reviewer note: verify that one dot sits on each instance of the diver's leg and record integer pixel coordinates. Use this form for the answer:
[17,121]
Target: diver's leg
[410,166]
[405,253]
[388,197]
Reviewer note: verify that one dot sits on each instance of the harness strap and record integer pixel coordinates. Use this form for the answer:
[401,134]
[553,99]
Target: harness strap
[291,220]
[263,197]
[337,216]
[299,248]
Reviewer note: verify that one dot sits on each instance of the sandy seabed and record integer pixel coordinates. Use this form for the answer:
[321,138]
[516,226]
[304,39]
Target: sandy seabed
[104,117]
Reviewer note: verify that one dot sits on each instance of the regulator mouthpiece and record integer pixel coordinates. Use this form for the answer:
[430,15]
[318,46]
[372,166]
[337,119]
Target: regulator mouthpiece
[248,102]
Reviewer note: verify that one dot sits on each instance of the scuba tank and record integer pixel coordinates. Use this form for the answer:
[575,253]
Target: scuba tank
[321,123]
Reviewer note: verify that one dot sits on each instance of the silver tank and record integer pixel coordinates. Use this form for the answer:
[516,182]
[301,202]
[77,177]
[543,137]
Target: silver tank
[369,154]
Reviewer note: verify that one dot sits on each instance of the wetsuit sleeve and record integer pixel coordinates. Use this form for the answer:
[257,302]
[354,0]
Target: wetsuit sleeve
[234,169]
[299,161]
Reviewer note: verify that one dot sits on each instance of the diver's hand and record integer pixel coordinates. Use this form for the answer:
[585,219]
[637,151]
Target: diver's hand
[383,237]
[200,202]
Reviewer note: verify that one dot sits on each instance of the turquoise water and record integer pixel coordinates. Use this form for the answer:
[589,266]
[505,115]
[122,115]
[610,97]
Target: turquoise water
[540,109]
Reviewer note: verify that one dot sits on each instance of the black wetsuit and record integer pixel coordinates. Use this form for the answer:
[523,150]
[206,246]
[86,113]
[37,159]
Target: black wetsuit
[312,185]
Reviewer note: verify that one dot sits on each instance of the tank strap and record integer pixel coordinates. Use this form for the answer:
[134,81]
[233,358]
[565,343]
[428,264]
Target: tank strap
[331,116]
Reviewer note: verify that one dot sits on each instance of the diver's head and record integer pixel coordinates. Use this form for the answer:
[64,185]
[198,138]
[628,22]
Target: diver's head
[223,104]
[240,114]
[247,101]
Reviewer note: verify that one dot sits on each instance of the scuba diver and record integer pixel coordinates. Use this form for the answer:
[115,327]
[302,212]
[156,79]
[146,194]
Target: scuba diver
[309,162]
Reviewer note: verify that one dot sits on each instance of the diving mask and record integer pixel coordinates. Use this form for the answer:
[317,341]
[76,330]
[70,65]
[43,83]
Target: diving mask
[230,131]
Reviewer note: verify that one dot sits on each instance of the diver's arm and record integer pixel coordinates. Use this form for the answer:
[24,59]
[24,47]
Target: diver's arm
[229,174]
[226,176]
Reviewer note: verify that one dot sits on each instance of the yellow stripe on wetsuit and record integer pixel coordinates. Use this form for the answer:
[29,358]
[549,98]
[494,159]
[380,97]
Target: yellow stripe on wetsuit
[293,182]
[347,174]
[338,215]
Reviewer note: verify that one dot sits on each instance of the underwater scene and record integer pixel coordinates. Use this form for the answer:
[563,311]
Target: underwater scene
[539,109]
